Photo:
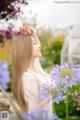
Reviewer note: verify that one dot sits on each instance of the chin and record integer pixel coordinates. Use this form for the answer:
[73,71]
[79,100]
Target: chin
[40,55]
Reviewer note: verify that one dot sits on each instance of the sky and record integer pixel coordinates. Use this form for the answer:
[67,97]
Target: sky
[53,14]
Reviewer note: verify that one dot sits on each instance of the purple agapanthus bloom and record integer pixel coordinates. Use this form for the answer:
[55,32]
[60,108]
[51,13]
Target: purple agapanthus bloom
[40,115]
[4,74]
[59,97]
[44,93]
[65,76]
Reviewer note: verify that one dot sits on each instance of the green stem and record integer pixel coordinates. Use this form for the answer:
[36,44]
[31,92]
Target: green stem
[54,109]
[67,114]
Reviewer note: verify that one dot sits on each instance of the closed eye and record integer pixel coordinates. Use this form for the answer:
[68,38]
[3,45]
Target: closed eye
[34,43]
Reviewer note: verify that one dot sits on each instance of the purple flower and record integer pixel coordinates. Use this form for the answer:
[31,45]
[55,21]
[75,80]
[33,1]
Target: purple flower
[65,76]
[27,116]
[4,74]
[16,12]
[59,97]
[40,115]
[7,8]
[56,118]
[9,31]
[8,34]
[44,93]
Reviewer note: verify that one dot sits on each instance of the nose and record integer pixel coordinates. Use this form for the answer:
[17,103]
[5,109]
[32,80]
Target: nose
[39,46]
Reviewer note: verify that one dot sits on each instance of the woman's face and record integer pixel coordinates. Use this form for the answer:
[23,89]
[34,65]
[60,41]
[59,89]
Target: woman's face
[36,47]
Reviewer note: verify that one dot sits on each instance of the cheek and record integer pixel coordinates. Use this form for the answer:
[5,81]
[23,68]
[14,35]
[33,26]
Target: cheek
[36,52]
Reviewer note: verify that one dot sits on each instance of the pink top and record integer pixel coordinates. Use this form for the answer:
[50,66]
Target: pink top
[32,84]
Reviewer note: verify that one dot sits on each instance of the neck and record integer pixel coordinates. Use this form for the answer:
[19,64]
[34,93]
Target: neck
[31,66]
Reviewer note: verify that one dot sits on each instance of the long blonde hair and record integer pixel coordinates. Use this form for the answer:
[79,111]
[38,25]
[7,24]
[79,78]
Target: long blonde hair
[21,53]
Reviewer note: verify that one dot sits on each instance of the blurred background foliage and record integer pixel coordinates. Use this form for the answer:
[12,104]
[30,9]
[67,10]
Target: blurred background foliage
[51,48]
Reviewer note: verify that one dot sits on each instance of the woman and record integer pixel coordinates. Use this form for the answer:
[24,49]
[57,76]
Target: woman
[28,77]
